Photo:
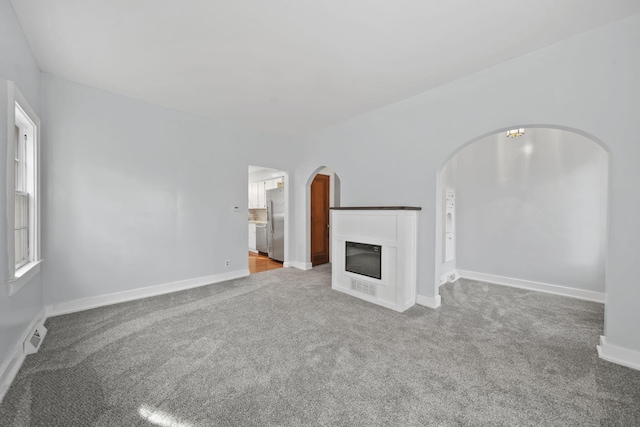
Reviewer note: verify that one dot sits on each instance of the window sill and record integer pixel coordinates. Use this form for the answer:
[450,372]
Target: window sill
[23,275]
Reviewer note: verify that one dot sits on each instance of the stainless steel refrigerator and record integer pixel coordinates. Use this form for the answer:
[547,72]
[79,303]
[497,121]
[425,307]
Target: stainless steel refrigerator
[275,223]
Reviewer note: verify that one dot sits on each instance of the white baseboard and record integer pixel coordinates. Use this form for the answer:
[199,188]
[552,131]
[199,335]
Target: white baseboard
[300,265]
[151,291]
[534,286]
[431,302]
[400,308]
[10,368]
[620,355]
[451,276]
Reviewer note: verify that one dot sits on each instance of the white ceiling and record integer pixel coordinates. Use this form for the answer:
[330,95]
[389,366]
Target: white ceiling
[292,66]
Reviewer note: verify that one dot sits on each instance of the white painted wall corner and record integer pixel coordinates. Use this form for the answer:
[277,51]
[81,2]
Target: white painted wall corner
[431,302]
[620,355]
[299,265]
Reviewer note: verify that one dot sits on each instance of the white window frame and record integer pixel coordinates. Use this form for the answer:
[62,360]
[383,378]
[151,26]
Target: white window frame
[21,115]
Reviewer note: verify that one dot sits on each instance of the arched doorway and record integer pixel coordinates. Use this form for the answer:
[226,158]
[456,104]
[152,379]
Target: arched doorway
[323,192]
[529,211]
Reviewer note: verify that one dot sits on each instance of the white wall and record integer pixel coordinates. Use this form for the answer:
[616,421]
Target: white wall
[16,61]
[16,64]
[391,156]
[139,195]
[533,208]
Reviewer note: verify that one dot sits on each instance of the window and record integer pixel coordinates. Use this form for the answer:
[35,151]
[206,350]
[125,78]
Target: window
[23,226]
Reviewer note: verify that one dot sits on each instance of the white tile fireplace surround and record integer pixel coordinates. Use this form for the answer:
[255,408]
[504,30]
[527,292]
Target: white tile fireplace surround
[374,254]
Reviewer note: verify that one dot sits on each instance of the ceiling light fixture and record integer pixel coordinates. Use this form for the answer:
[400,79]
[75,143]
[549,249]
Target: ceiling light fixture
[515,132]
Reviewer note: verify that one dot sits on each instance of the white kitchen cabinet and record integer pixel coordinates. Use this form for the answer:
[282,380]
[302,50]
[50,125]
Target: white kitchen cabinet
[252,238]
[258,192]
[262,196]
[253,195]
[270,184]
[256,195]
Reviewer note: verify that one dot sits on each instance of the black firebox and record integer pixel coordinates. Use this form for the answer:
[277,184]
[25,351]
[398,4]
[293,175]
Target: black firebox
[364,259]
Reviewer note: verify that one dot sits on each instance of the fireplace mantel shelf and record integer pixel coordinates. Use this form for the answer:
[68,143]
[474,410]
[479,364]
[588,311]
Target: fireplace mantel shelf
[378,208]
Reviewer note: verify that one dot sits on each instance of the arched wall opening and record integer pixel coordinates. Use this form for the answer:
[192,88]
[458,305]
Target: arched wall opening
[530,212]
[334,201]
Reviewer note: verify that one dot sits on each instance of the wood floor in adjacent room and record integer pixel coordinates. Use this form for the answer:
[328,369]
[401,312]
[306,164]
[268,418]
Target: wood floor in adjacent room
[259,263]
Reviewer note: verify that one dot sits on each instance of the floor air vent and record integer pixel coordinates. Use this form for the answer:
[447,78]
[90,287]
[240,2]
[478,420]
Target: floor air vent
[34,340]
[364,287]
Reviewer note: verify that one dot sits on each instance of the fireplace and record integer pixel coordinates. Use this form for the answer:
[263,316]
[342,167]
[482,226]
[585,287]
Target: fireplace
[363,259]
[374,255]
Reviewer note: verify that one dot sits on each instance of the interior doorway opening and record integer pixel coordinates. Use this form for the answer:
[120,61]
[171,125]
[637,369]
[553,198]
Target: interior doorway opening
[529,211]
[323,190]
[267,218]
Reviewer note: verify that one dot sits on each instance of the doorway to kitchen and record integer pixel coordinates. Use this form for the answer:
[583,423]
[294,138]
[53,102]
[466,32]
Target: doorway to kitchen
[267,218]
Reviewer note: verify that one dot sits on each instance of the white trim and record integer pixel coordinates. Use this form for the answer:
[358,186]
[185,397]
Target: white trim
[442,280]
[23,275]
[445,278]
[15,98]
[10,368]
[400,308]
[299,265]
[431,302]
[620,355]
[151,291]
[534,286]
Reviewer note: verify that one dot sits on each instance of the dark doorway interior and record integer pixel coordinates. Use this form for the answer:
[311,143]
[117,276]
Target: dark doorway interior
[320,188]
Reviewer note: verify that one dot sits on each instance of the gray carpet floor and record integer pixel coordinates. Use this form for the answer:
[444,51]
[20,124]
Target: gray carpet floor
[282,348]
